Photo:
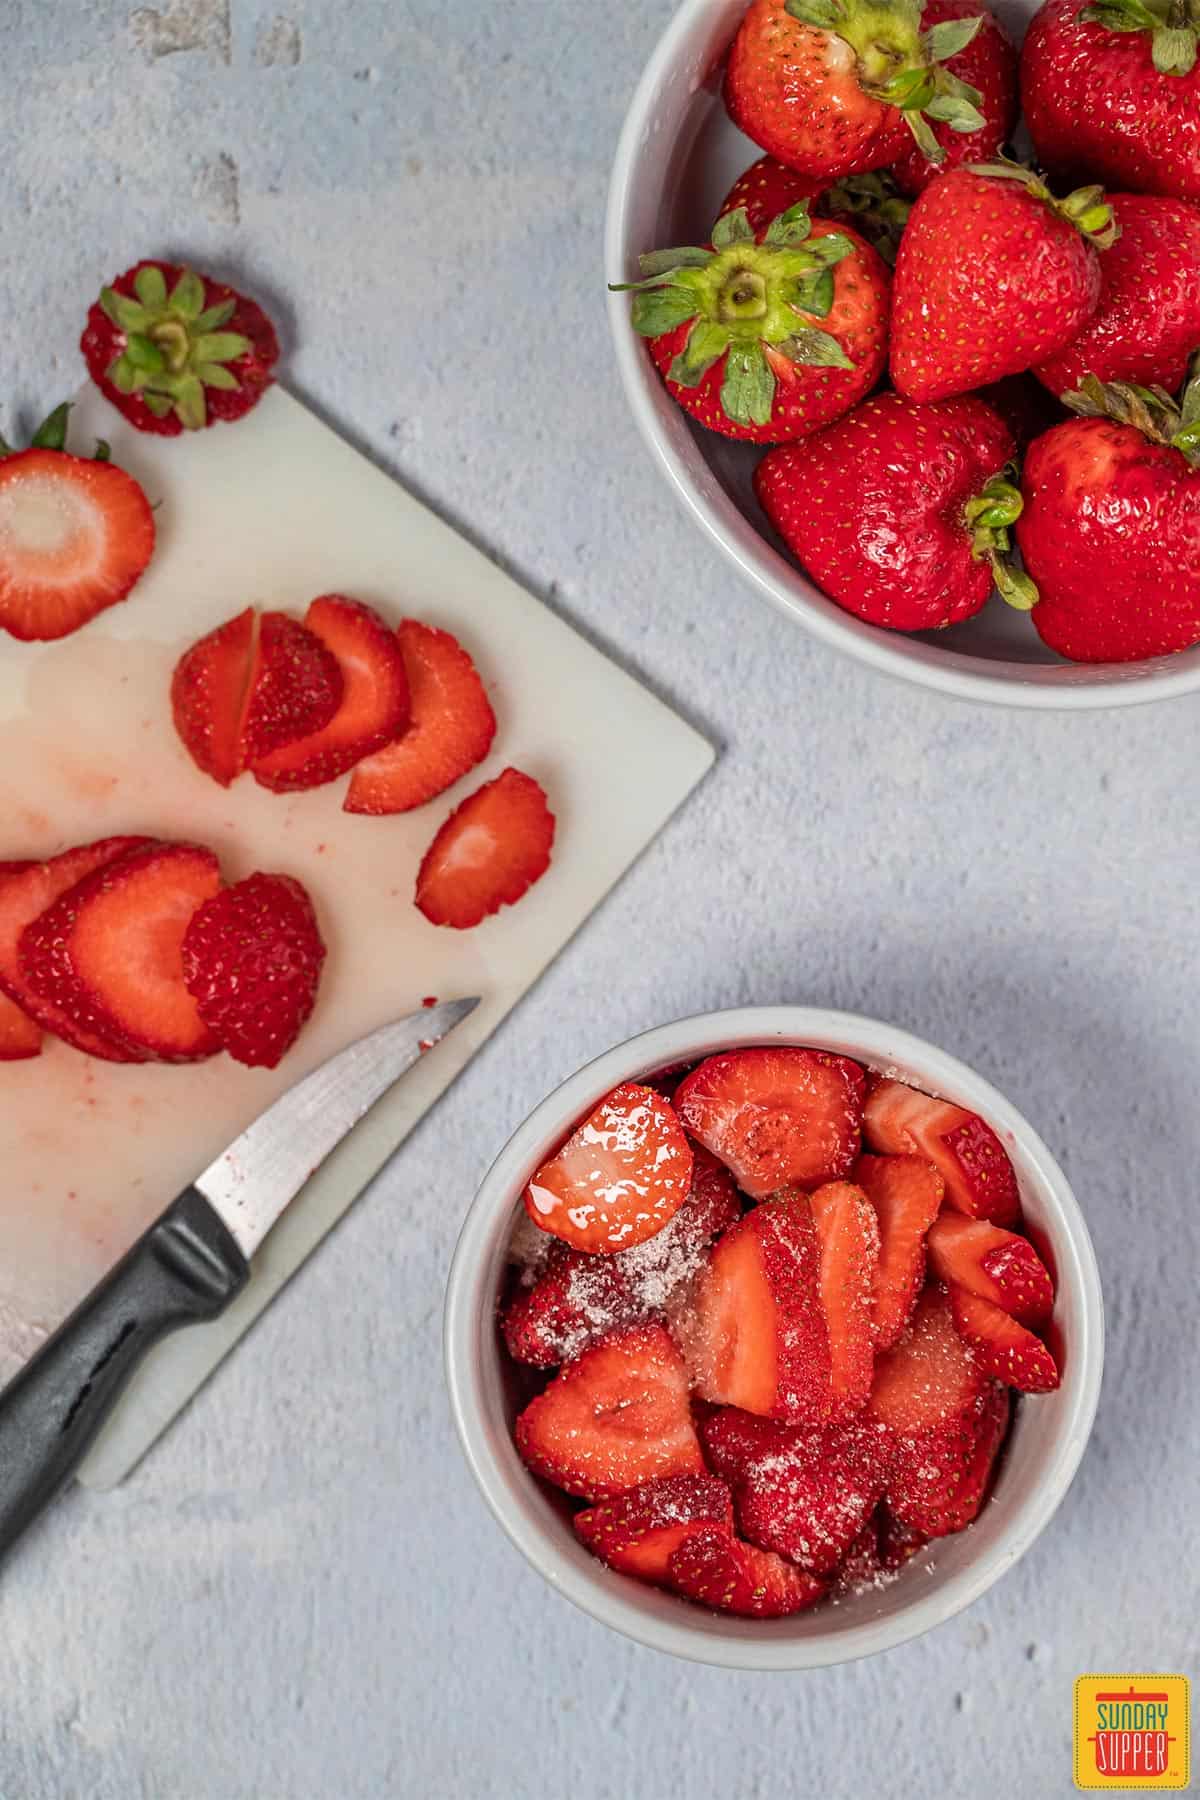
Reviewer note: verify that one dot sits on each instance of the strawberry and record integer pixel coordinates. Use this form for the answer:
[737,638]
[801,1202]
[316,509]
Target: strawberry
[76,534]
[901,511]
[766,189]
[906,1193]
[108,952]
[20,1036]
[994,275]
[832,87]
[872,204]
[980,1181]
[26,891]
[490,851]
[938,1480]
[878,1554]
[752,1329]
[713,1566]
[776,1117]
[619,1177]
[614,1418]
[451,729]
[295,687]
[1113,89]
[1148,321]
[1002,1346]
[849,1237]
[252,957]
[175,351]
[997,1265]
[987,64]
[638,1532]
[1111,525]
[372,710]
[208,696]
[766,335]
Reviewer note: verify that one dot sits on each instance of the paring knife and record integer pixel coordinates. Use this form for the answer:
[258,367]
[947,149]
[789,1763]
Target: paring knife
[190,1264]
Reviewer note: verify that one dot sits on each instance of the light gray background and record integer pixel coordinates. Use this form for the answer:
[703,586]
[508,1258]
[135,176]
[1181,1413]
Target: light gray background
[299,1596]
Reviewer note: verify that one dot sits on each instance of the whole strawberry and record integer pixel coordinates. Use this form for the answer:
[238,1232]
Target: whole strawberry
[767,335]
[176,351]
[993,276]
[871,203]
[833,87]
[988,66]
[1110,529]
[901,511]
[1111,93]
[1148,321]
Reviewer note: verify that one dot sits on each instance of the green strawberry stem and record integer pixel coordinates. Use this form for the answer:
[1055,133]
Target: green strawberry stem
[1174,27]
[1086,209]
[989,517]
[874,205]
[51,434]
[1152,411]
[174,346]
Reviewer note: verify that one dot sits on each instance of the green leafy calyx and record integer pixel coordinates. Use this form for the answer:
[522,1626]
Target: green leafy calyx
[1086,209]
[990,517]
[51,434]
[1150,410]
[874,205]
[1173,25]
[174,346]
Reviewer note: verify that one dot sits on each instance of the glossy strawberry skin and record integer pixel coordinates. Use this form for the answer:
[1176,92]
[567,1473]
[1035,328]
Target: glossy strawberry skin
[988,64]
[873,507]
[766,189]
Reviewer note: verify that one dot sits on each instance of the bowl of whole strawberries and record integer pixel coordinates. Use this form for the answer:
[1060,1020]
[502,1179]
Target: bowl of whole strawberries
[935,395]
[774,1337]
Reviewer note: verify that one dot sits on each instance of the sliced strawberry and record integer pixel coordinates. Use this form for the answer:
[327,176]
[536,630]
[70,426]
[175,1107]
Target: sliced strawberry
[881,1549]
[451,730]
[638,1532]
[995,1264]
[980,1181]
[615,1417]
[20,1036]
[296,687]
[930,1376]
[374,706]
[252,958]
[752,1328]
[209,690]
[906,1192]
[108,952]
[849,1235]
[717,1569]
[898,1543]
[1003,1347]
[618,1178]
[27,894]
[777,1117]
[938,1479]
[490,851]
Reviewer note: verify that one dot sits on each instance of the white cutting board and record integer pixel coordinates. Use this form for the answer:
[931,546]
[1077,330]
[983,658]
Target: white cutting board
[274,511]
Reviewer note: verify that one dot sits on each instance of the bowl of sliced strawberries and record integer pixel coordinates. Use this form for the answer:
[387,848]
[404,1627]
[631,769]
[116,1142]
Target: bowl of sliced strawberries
[906,304]
[774,1337]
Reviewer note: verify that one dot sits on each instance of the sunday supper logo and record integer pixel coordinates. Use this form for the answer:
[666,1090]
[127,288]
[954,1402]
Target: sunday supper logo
[1131,1731]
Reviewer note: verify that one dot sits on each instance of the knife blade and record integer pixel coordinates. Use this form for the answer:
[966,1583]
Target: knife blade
[190,1264]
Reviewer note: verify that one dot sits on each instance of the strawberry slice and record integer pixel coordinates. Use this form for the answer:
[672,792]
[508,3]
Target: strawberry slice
[1005,1348]
[20,1036]
[906,1192]
[997,1265]
[849,1235]
[108,952]
[25,893]
[295,687]
[618,1178]
[938,1481]
[374,706]
[878,1553]
[777,1117]
[451,731]
[638,1532]
[209,691]
[719,1570]
[980,1180]
[615,1417]
[252,958]
[490,851]
[752,1329]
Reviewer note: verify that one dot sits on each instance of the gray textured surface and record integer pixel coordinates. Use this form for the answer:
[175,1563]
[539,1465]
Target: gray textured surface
[299,1597]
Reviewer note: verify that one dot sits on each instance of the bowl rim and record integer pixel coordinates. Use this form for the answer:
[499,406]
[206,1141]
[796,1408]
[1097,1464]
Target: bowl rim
[891,653]
[490,1215]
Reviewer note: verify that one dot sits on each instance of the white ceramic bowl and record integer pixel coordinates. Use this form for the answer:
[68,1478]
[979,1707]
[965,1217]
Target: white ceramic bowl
[1044,1448]
[678,156]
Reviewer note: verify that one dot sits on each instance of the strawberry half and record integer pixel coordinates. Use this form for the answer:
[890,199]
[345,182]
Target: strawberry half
[1002,1346]
[639,1532]
[615,1417]
[252,957]
[906,1192]
[849,1237]
[451,728]
[980,1180]
[719,1570]
[776,1117]
[997,1265]
[619,1177]
[490,851]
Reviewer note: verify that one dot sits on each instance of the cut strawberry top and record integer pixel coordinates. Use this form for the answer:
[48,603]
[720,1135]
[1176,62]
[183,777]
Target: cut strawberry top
[776,1117]
[980,1180]
[488,854]
[619,1177]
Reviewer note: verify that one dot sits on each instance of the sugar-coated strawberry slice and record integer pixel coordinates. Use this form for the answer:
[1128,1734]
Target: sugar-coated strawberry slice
[20,1036]
[930,1376]
[25,893]
[209,690]
[490,851]
[938,1480]
[980,1180]
[615,1417]
[849,1235]
[719,1570]
[638,1532]
[777,1117]
[295,688]
[906,1192]
[997,1265]
[374,706]
[451,729]
[619,1177]
[109,952]
[878,1553]
[752,1329]
[252,958]
[1005,1348]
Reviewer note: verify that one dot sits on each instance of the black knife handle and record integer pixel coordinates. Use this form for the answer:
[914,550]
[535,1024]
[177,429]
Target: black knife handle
[184,1269]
